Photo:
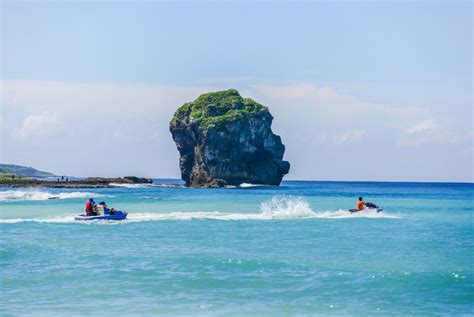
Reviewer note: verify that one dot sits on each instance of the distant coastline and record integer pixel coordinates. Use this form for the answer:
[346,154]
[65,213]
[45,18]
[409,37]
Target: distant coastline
[90,182]
[100,182]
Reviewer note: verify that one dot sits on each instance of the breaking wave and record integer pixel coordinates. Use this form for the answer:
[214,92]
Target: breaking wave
[244,185]
[130,185]
[274,209]
[247,185]
[145,185]
[57,219]
[13,195]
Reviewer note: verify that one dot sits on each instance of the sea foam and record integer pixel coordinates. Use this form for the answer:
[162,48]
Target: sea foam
[130,185]
[12,195]
[145,185]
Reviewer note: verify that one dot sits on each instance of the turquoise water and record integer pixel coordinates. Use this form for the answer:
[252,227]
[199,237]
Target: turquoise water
[289,250]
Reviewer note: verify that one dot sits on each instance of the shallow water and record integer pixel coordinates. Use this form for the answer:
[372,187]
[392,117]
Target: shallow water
[255,250]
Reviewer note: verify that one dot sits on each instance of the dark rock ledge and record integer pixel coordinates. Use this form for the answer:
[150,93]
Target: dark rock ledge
[90,182]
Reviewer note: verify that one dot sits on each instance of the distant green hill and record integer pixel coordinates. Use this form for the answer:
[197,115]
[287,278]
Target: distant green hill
[8,169]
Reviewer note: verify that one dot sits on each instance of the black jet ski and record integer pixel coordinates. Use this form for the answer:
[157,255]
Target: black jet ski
[368,207]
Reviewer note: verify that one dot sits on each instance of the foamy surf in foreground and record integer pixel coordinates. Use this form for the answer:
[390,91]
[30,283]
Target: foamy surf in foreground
[12,195]
[274,209]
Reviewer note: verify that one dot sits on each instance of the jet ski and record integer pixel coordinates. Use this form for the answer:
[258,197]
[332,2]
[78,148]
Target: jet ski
[368,207]
[117,215]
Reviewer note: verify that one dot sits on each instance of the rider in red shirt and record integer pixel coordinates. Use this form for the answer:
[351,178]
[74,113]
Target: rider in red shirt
[360,204]
[89,209]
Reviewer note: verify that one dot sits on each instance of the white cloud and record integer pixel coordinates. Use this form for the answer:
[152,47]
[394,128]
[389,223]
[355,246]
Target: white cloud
[313,109]
[128,122]
[431,131]
[424,126]
[38,125]
[349,136]
[92,101]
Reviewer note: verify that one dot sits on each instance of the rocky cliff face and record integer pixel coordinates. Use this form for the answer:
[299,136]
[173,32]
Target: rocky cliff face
[224,139]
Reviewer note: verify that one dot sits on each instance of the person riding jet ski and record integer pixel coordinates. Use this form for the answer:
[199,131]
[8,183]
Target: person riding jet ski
[89,208]
[360,204]
[106,209]
[101,211]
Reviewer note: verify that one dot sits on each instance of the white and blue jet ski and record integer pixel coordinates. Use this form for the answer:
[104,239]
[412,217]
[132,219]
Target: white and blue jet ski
[108,215]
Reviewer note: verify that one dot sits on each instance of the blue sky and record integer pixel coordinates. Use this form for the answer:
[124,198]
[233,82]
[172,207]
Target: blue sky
[359,90]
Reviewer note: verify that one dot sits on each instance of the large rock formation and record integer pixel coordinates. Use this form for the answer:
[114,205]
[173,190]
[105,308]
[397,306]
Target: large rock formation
[224,139]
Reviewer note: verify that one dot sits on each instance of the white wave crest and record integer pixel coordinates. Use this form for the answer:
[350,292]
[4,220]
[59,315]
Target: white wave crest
[286,208]
[342,214]
[57,219]
[247,185]
[168,185]
[244,185]
[130,185]
[144,185]
[12,195]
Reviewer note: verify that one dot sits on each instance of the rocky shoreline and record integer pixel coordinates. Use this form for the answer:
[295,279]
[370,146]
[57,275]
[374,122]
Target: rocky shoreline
[90,182]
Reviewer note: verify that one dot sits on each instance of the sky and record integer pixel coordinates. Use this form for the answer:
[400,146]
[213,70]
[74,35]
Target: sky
[377,91]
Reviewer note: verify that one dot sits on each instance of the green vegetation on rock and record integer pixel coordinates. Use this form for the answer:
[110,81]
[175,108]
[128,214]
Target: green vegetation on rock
[9,169]
[214,109]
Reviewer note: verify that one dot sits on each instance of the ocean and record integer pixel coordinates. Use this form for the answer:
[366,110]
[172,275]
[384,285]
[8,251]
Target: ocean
[245,251]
